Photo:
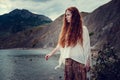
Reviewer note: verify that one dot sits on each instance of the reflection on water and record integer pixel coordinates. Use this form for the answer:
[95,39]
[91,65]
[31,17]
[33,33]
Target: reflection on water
[28,65]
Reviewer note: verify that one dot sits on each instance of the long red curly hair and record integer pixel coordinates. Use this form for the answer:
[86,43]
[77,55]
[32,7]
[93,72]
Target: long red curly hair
[72,32]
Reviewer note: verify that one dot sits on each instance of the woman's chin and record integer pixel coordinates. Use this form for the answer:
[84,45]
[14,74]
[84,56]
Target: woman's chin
[68,21]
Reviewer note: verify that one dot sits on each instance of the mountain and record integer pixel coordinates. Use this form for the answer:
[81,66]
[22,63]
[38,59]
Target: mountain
[104,24]
[40,36]
[18,20]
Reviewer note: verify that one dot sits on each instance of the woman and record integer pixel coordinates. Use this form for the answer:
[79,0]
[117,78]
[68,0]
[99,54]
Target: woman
[74,45]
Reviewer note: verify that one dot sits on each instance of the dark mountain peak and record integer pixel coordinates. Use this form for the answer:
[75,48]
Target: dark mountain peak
[20,12]
[27,14]
[21,19]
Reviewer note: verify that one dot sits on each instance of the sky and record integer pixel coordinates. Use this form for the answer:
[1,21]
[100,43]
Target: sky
[50,8]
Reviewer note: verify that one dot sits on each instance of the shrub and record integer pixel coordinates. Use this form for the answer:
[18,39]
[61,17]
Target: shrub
[107,65]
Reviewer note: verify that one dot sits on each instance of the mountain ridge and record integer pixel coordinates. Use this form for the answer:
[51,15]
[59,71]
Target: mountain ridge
[20,19]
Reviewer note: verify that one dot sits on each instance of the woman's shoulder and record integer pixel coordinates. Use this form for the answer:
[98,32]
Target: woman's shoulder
[85,28]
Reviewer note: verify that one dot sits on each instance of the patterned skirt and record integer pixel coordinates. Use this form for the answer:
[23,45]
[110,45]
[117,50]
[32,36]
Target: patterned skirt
[74,70]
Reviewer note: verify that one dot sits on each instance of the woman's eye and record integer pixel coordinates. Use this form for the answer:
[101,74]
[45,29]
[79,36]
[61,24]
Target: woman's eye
[68,14]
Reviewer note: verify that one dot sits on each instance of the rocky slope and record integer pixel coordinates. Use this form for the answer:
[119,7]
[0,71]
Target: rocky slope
[104,23]
[18,20]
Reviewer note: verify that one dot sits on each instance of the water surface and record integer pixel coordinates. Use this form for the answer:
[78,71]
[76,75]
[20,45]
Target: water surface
[28,65]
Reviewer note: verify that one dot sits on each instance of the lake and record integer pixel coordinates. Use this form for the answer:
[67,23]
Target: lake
[29,64]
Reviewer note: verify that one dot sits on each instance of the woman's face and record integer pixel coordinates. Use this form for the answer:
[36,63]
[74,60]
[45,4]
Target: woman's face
[68,16]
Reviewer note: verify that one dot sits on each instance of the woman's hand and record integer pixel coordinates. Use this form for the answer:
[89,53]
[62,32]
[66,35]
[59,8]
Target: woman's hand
[47,56]
[52,53]
[87,66]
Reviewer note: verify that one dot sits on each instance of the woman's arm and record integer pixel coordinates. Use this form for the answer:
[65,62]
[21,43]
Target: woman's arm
[52,52]
[86,46]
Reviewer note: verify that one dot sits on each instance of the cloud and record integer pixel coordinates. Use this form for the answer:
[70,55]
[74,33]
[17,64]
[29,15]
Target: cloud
[33,0]
[41,0]
[5,6]
[50,8]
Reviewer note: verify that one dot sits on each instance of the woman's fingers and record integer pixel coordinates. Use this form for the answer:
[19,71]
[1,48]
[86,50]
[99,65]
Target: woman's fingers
[87,68]
[46,57]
